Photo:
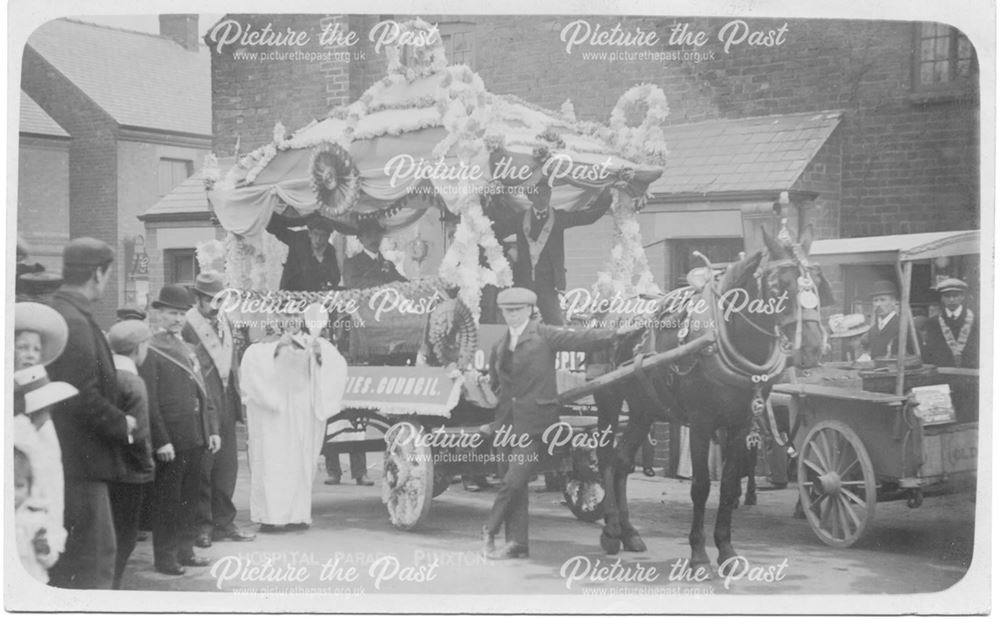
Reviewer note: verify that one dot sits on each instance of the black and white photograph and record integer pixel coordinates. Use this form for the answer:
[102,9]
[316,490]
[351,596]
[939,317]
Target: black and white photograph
[639,308]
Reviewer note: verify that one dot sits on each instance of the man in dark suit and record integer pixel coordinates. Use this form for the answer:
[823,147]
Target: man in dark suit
[209,332]
[312,262]
[884,332]
[369,268]
[92,430]
[182,422]
[524,375]
[541,254]
[953,337]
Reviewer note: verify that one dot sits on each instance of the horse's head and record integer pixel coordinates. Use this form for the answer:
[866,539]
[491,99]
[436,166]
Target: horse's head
[788,274]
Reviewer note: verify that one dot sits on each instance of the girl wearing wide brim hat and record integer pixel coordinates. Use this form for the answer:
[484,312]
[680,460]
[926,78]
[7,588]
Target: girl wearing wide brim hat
[40,335]
[850,328]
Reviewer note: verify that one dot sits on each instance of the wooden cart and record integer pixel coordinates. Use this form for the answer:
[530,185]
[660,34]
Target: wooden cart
[864,443]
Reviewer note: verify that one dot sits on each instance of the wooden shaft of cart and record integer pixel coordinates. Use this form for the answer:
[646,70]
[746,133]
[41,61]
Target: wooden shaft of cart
[625,371]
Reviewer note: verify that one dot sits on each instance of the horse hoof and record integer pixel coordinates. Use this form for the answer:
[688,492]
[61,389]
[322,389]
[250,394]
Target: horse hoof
[634,543]
[726,565]
[610,545]
[700,559]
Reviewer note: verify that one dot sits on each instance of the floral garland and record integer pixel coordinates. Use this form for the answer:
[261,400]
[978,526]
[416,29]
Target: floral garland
[628,257]
[463,103]
[211,255]
[644,143]
[416,60]
[335,179]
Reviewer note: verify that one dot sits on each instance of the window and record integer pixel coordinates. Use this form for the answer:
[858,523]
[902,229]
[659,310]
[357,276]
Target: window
[173,172]
[944,57]
[180,266]
[459,43]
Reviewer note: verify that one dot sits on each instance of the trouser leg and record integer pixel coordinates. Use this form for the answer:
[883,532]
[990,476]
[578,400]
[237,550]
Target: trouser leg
[166,510]
[510,508]
[88,562]
[189,489]
[359,464]
[224,473]
[126,501]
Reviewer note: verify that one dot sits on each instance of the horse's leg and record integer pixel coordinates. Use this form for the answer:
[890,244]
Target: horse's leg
[751,464]
[729,492]
[700,486]
[609,406]
[640,419]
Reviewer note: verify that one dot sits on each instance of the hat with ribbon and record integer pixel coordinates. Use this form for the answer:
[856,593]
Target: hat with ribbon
[514,297]
[38,391]
[849,325]
[174,296]
[48,323]
[208,284]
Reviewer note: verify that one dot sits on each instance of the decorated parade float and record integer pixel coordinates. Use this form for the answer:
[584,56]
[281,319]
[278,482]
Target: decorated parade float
[430,141]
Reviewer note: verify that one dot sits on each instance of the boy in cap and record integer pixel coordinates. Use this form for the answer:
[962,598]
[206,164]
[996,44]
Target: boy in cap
[129,340]
[953,337]
[312,261]
[523,374]
[92,429]
[208,331]
[182,423]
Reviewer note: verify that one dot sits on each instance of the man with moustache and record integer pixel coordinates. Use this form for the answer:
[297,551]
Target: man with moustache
[541,256]
[953,337]
[183,423]
[884,333]
[523,374]
[211,335]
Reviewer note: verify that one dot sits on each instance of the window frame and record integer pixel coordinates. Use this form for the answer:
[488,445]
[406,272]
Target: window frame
[955,81]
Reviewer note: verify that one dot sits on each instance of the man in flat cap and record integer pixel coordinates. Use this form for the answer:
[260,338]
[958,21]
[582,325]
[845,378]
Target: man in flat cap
[312,262]
[183,424]
[884,332]
[953,337]
[130,312]
[93,431]
[541,260]
[208,331]
[524,376]
[129,340]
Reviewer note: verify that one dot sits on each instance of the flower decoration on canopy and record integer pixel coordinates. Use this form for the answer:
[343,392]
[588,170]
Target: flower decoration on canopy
[420,52]
[551,141]
[335,180]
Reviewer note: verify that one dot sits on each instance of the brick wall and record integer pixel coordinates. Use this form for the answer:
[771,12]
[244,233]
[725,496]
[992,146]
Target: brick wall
[93,166]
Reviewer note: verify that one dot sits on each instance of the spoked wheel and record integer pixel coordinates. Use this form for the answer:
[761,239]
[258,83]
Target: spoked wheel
[836,484]
[408,482]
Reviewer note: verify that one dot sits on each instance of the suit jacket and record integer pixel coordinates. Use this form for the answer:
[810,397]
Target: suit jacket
[937,352]
[91,428]
[362,271]
[882,343]
[302,271]
[138,456]
[219,363]
[550,271]
[526,380]
[180,411]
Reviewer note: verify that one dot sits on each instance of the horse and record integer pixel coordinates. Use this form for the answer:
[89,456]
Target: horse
[722,387]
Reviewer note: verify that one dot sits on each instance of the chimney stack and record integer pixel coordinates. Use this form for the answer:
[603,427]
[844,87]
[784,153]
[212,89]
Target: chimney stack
[182,28]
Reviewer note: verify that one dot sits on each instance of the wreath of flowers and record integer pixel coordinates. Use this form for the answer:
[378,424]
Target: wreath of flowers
[628,272]
[335,179]
[414,61]
[644,143]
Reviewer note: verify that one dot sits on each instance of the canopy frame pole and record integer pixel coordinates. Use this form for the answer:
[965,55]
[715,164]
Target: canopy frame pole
[905,272]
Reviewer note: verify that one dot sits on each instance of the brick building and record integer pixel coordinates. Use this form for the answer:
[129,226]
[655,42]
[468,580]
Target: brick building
[136,110]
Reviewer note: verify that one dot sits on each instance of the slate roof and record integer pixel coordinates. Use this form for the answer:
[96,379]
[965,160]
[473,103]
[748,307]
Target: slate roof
[141,80]
[761,153]
[187,198]
[34,120]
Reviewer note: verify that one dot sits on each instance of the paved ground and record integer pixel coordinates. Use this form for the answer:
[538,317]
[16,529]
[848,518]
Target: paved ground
[909,550]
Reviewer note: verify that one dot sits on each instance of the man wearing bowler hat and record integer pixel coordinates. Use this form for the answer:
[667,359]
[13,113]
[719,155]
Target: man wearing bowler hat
[183,424]
[209,332]
[312,262]
[522,371]
[884,332]
[92,429]
[953,337]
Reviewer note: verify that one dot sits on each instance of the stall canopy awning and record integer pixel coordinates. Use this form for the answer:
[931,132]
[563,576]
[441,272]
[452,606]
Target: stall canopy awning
[888,249]
[764,153]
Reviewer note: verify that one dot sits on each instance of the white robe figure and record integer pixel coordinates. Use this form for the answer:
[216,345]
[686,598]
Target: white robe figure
[289,397]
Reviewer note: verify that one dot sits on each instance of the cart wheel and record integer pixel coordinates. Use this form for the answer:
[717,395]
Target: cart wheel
[408,482]
[836,483]
[441,483]
[585,497]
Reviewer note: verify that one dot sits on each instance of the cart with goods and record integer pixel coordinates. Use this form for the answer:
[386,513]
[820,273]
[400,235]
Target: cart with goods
[431,155]
[896,429]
